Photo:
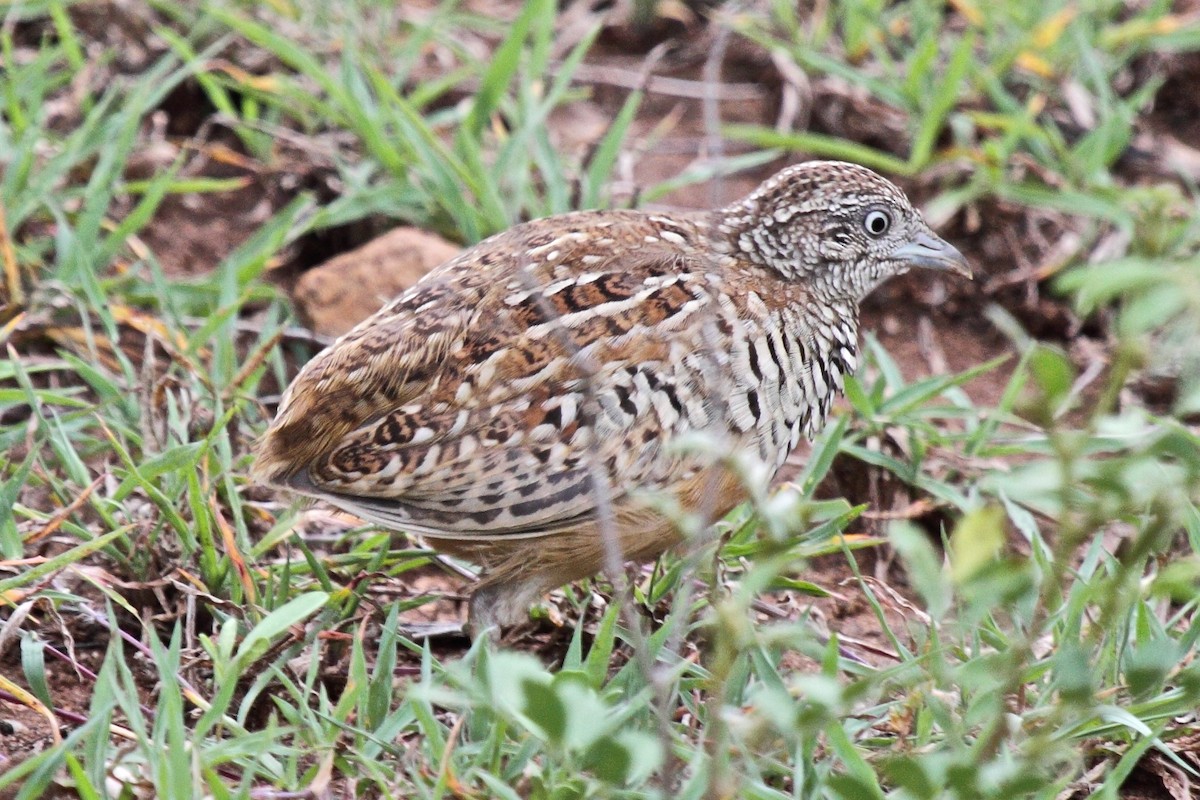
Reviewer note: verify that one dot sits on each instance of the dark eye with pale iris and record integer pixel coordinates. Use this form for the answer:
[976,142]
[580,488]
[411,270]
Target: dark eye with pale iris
[877,222]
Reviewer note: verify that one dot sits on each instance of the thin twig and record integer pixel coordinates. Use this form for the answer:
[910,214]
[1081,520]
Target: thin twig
[672,87]
[715,144]
[602,493]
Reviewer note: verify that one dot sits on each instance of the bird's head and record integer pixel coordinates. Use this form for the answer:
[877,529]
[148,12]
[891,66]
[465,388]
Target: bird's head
[837,226]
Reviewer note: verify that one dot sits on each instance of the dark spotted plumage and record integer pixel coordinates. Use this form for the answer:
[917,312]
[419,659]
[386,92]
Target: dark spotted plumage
[475,408]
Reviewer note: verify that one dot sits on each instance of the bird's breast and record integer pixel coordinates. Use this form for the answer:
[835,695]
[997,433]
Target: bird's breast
[787,368]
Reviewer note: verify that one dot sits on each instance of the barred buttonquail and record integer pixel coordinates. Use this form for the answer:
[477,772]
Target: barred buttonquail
[479,407]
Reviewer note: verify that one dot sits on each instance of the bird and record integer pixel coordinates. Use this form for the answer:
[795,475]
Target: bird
[535,394]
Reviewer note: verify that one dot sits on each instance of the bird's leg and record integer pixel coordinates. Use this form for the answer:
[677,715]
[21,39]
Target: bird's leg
[500,602]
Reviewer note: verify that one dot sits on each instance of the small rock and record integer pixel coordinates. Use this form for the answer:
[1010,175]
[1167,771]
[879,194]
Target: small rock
[348,288]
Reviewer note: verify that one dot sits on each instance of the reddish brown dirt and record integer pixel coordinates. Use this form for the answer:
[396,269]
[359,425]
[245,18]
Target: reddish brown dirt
[23,731]
[191,234]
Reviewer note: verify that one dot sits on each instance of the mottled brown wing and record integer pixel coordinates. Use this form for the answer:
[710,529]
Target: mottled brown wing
[554,381]
[390,359]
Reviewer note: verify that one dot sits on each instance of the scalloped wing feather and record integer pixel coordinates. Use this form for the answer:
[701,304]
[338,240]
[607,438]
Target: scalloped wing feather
[590,354]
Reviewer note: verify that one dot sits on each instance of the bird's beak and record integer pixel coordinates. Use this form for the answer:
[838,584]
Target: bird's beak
[930,252]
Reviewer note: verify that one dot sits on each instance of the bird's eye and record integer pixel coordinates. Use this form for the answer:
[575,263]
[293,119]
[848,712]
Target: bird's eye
[877,222]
